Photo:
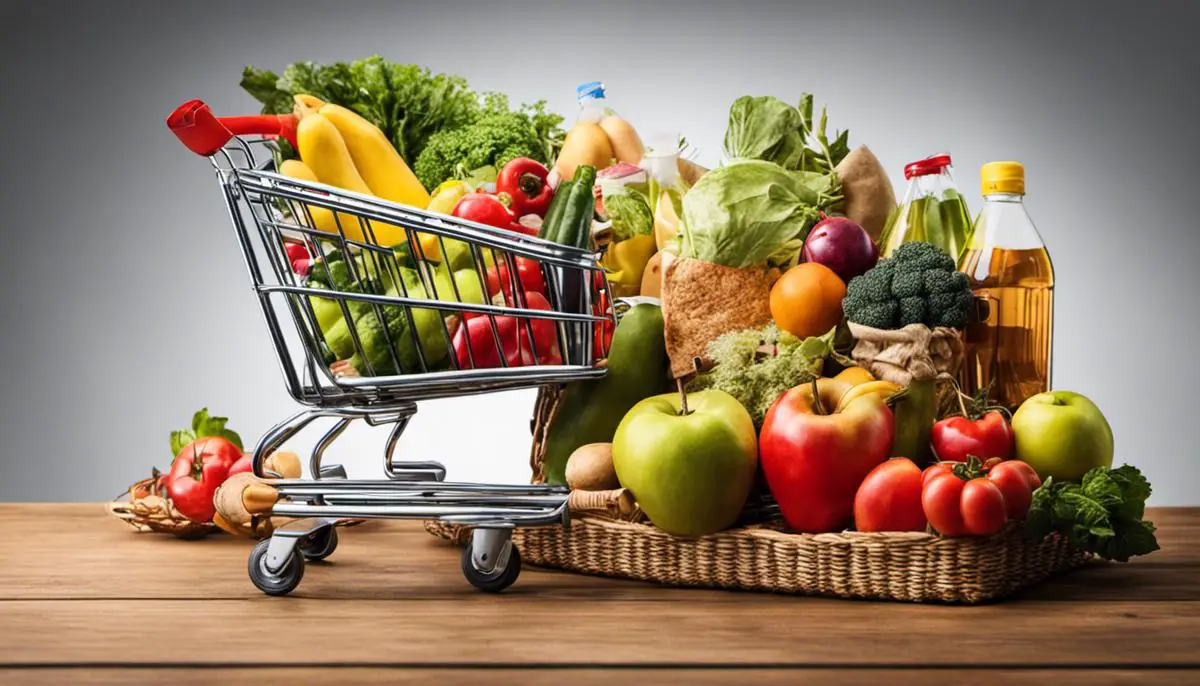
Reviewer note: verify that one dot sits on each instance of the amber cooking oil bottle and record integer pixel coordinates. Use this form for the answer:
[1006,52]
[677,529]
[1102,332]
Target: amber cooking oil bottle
[1010,335]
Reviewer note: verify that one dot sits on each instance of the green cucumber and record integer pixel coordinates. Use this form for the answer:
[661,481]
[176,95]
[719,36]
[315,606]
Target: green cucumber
[576,221]
[554,213]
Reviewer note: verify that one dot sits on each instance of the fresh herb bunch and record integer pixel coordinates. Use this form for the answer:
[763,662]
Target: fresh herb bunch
[496,136]
[203,426]
[1102,514]
[756,366]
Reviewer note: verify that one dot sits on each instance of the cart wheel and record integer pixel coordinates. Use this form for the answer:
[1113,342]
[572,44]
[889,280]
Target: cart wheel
[319,545]
[496,580]
[274,583]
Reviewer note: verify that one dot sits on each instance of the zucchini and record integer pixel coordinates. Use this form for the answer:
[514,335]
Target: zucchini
[580,206]
[554,213]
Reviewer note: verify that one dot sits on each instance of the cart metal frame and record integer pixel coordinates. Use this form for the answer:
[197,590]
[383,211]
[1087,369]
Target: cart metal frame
[268,211]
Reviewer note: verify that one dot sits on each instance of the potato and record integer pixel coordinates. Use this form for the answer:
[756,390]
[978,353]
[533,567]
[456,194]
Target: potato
[590,468]
[626,144]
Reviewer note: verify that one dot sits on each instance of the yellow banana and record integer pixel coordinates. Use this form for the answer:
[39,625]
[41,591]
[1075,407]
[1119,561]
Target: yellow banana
[376,159]
[883,389]
[855,376]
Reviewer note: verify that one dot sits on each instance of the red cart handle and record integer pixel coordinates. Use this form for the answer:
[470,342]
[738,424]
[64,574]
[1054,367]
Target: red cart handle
[194,124]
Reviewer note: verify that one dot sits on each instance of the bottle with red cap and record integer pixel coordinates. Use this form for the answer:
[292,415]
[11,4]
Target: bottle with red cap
[932,210]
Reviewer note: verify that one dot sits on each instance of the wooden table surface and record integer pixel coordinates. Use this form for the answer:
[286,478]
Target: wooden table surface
[84,598]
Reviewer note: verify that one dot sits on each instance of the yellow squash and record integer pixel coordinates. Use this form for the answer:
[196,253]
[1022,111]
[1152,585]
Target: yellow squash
[386,173]
[323,149]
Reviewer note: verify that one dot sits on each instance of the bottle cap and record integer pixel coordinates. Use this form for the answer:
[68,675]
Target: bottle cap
[934,164]
[1002,177]
[591,89]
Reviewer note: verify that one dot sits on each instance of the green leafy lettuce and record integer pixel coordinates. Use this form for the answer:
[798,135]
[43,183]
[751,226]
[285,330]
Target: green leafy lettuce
[766,128]
[1102,514]
[748,211]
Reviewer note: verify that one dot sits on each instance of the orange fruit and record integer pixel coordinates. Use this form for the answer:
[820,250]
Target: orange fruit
[807,300]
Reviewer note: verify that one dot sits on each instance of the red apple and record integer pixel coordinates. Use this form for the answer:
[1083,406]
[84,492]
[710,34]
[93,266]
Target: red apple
[815,458]
[841,245]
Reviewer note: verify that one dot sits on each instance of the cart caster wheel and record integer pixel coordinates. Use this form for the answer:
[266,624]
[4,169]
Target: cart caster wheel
[496,580]
[274,583]
[319,545]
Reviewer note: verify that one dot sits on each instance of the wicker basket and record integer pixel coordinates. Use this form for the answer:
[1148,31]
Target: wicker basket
[916,567]
[146,508]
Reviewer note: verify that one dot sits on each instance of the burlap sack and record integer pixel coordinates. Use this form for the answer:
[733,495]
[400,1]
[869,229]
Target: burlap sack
[702,300]
[914,353]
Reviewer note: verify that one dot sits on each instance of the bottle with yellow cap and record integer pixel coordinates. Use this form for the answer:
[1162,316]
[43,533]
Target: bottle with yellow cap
[1009,338]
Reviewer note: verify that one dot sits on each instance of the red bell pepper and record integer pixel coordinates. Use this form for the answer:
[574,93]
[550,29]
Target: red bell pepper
[475,344]
[602,338]
[524,180]
[197,471]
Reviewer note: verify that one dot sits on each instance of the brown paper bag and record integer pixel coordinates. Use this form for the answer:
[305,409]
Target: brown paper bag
[702,300]
[914,353]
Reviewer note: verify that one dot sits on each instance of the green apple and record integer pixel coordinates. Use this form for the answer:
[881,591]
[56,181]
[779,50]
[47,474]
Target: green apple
[690,473]
[1062,434]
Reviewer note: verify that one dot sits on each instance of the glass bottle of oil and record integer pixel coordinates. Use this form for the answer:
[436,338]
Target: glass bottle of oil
[1009,337]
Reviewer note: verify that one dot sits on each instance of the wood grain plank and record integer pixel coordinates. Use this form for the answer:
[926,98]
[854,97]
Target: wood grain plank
[377,676]
[509,629]
[398,560]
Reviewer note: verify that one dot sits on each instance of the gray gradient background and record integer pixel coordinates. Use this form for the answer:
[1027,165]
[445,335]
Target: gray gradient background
[126,304]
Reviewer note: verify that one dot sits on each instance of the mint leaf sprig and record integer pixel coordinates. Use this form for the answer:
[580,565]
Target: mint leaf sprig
[203,426]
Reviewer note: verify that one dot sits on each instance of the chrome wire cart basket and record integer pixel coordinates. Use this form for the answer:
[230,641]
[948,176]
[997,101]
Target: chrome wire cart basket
[393,305]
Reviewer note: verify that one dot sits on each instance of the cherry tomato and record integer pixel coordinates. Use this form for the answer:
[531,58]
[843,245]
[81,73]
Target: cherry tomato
[889,499]
[1017,481]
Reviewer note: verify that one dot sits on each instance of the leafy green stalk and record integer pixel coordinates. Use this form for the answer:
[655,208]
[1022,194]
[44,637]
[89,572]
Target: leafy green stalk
[203,426]
[1102,514]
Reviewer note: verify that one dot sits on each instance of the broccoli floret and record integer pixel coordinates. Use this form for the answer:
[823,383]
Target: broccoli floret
[916,285]
[908,284]
[949,309]
[495,137]
[913,310]
[921,256]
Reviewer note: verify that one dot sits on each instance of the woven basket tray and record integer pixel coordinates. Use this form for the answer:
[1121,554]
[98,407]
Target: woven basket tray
[907,566]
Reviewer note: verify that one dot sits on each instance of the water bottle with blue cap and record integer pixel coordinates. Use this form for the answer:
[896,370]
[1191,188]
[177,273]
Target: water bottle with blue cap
[593,104]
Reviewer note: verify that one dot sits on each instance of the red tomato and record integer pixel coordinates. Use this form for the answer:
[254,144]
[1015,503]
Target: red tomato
[1017,481]
[956,507]
[484,209]
[956,438]
[245,463]
[889,499]
[475,342]
[197,471]
[529,273]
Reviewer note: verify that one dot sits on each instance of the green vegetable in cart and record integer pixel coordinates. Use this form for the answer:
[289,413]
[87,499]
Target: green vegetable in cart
[590,411]
[575,224]
[495,137]
[917,285]
[407,102]
[1102,515]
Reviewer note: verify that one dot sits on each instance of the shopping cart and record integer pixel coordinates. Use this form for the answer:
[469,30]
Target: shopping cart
[418,347]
